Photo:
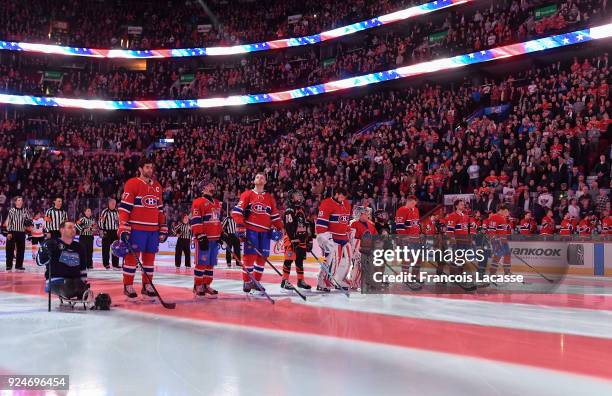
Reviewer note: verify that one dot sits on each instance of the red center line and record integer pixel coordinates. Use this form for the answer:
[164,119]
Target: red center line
[563,352]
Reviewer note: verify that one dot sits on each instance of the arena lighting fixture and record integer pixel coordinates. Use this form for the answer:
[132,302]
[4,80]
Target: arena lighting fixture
[386,19]
[507,51]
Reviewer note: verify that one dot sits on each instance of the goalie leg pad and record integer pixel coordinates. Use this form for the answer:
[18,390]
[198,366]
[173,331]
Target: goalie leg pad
[343,264]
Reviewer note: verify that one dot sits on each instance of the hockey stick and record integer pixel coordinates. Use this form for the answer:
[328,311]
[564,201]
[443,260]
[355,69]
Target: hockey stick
[163,303]
[275,269]
[533,268]
[327,270]
[250,275]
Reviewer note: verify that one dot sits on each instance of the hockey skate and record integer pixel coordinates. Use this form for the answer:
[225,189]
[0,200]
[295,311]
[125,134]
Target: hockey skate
[209,292]
[247,286]
[147,290]
[198,291]
[286,285]
[303,285]
[129,292]
[323,289]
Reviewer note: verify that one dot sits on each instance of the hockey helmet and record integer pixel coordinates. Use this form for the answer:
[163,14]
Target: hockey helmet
[295,198]
[102,302]
[119,248]
[28,223]
[359,210]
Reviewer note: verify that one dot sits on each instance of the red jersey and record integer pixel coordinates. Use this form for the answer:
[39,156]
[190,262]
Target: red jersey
[548,226]
[474,225]
[567,227]
[584,227]
[407,221]
[334,217]
[485,226]
[428,227]
[142,206]
[457,223]
[499,225]
[527,227]
[361,228]
[257,212]
[205,218]
[606,226]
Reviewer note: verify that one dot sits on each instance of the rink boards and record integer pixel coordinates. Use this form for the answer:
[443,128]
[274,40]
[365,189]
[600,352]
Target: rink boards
[595,257]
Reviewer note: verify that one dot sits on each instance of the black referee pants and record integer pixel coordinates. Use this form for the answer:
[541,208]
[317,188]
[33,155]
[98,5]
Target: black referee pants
[87,242]
[232,243]
[183,247]
[109,237]
[17,242]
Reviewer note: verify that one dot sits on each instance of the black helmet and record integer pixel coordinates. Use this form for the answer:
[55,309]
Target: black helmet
[295,198]
[102,302]
[28,223]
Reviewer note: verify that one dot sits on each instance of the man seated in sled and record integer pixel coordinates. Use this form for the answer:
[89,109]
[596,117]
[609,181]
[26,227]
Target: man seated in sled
[66,271]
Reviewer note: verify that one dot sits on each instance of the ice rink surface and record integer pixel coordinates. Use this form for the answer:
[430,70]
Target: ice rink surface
[556,344]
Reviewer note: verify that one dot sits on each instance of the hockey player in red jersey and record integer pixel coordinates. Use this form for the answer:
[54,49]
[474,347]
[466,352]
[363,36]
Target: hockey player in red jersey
[457,228]
[547,225]
[206,228]
[586,225]
[332,229]
[606,223]
[257,218]
[408,224]
[527,225]
[407,218]
[429,226]
[142,224]
[567,225]
[361,226]
[500,229]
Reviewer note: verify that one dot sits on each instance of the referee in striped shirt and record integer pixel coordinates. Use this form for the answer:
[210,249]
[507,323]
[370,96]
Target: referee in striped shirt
[183,244]
[86,226]
[54,217]
[109,224]
[16,223]
[232,243]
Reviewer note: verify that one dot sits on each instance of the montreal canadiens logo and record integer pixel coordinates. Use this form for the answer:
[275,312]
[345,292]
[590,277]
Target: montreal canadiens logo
[259,208]
[149,201]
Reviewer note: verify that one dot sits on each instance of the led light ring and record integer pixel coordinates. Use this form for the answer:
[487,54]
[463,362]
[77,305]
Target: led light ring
[236,49]
[507,51]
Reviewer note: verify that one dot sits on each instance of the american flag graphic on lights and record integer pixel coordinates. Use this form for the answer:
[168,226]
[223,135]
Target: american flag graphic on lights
[507,51]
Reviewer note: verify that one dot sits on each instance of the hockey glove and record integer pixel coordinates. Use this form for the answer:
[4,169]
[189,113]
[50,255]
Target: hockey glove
[275,234]
[325,241]
[241,233]
[163,233]
[202,242]
[124,233]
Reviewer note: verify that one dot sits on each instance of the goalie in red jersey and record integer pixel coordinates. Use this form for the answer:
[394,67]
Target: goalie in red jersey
[333,230]
[142,224]
[258,221]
